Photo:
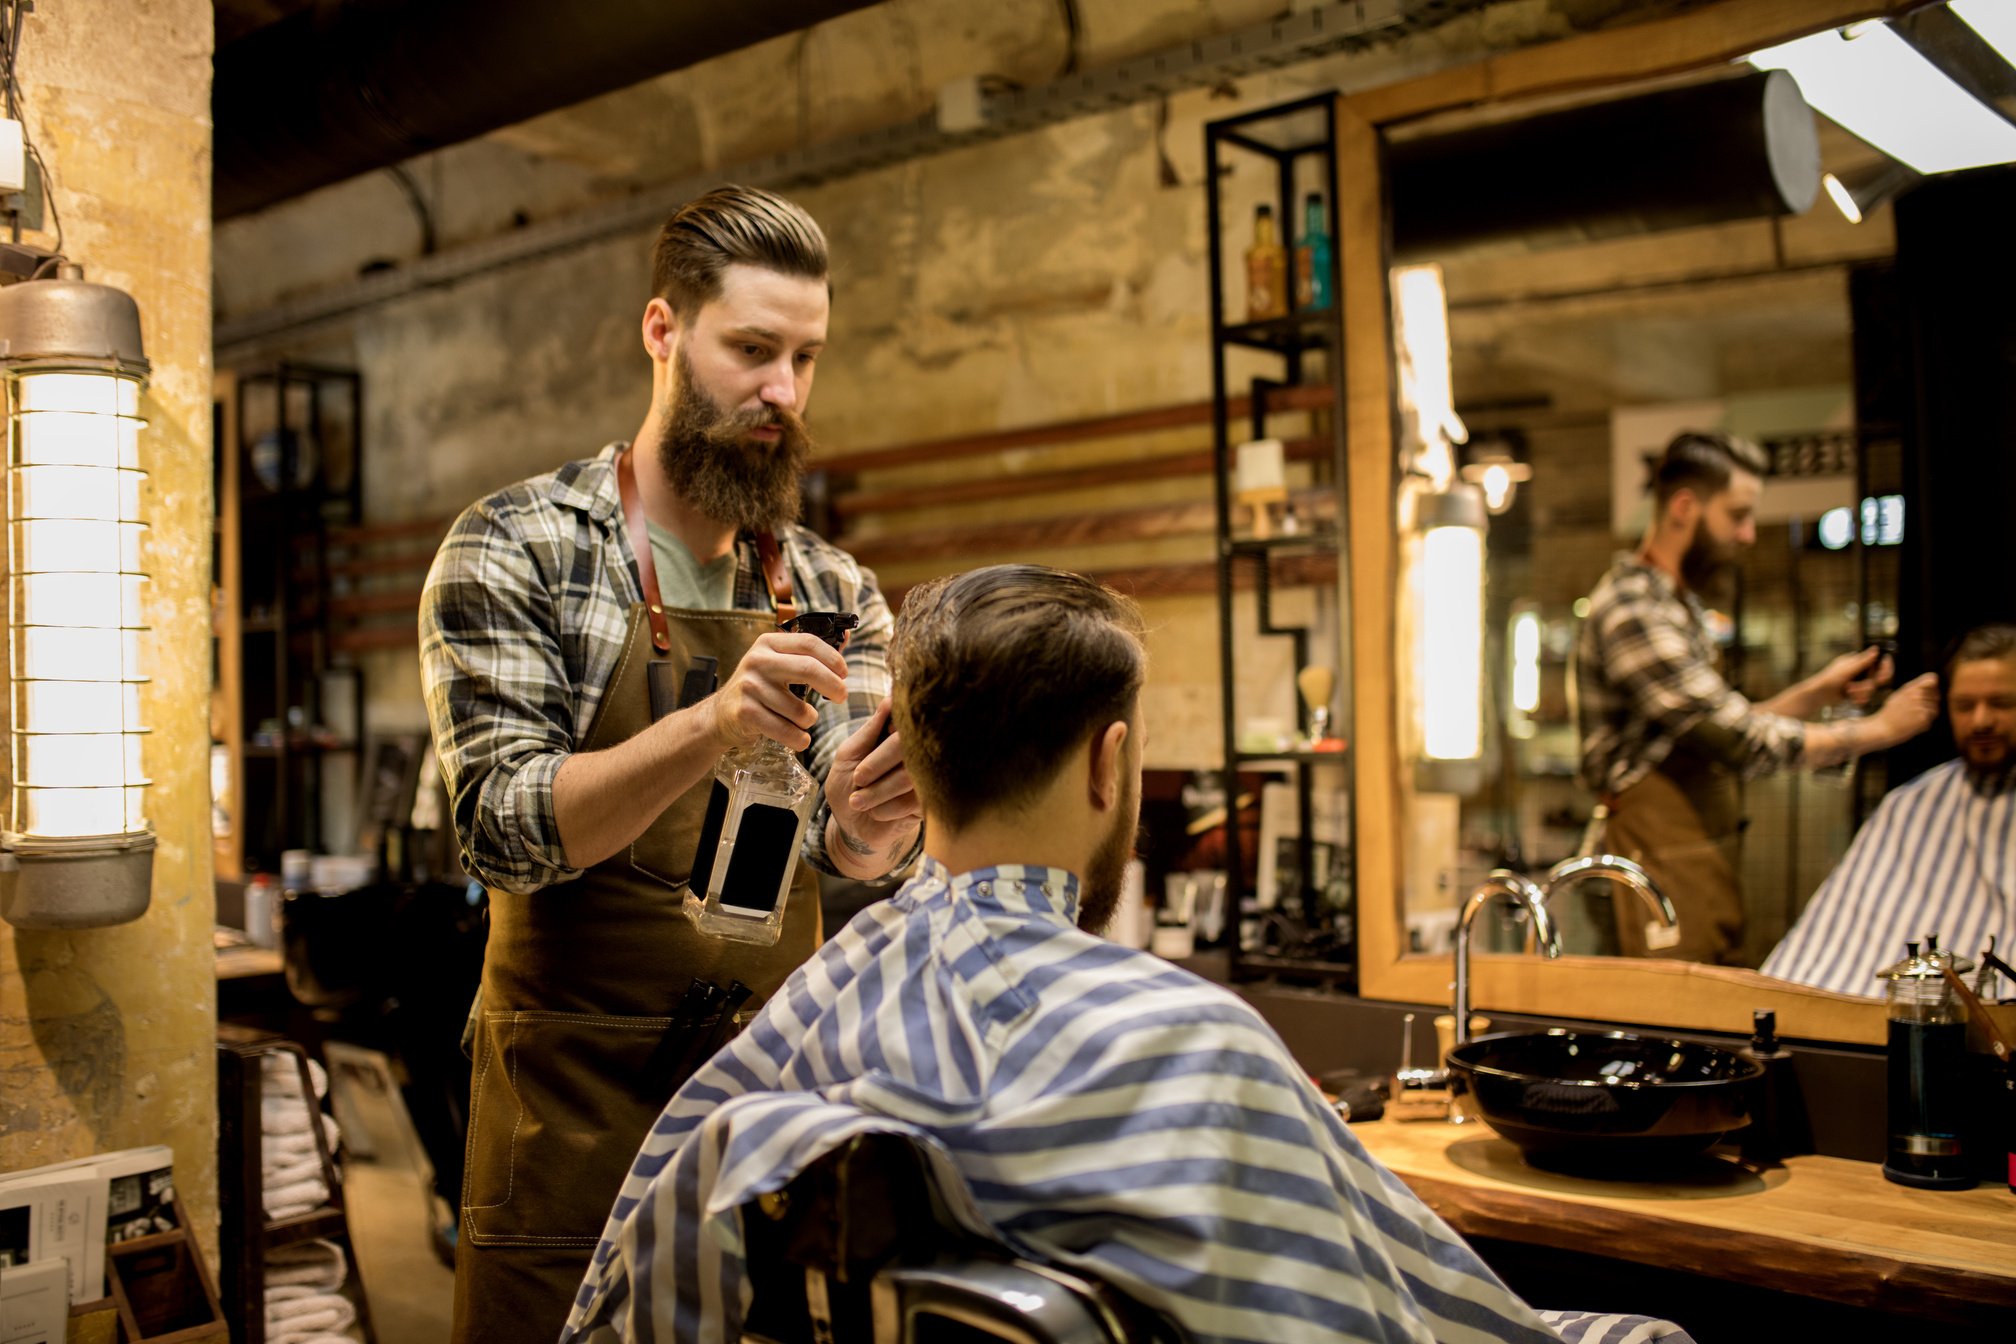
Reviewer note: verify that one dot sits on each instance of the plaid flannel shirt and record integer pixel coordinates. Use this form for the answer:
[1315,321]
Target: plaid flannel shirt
[522,625]
[1645,676]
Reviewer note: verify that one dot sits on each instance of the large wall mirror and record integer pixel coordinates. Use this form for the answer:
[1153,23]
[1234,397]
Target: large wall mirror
[1572,352]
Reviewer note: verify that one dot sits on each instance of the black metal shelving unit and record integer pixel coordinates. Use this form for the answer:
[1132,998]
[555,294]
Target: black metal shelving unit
[1307,941]
[286,503]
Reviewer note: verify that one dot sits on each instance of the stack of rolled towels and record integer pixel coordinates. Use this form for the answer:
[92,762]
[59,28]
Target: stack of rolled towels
[305,1303]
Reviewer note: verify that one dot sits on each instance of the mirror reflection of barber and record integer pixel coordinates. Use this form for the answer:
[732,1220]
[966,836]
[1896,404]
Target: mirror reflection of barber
[1666,740]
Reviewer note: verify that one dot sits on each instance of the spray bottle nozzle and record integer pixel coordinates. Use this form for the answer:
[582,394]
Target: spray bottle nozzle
[831,626]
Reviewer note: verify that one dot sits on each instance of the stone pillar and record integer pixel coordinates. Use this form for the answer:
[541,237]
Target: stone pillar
[107,1035]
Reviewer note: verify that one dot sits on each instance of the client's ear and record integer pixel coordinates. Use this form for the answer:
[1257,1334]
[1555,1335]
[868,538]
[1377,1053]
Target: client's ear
[1108,760]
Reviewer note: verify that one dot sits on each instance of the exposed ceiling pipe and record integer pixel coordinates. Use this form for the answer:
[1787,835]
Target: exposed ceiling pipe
[1744,147]
[348,86]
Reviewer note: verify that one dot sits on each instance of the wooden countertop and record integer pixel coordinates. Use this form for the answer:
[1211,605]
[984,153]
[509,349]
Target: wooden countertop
[1822,1226]
[246,962]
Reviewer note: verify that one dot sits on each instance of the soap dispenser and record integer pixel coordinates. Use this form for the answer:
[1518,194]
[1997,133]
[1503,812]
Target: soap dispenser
[1927,1071]
[756,816]
[1779,1127]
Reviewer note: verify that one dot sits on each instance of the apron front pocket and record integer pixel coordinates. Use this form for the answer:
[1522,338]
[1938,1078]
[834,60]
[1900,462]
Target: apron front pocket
[560,1106]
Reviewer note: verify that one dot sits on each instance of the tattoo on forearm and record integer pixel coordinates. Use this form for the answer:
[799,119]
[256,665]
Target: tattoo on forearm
[861,847]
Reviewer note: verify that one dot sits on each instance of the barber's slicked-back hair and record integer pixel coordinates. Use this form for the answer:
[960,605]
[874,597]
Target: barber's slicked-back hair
[1703,461]
[1000,674]
[1979,645]
[731,224]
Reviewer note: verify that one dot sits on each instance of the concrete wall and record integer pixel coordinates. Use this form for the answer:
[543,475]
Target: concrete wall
[1049,276]
[107,1036]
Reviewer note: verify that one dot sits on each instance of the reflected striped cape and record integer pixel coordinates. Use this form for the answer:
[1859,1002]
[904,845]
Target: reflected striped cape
[1084,1103]
[1937,856]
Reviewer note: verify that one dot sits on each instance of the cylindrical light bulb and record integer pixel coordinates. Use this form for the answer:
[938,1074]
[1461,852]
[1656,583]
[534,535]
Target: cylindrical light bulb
[75,530]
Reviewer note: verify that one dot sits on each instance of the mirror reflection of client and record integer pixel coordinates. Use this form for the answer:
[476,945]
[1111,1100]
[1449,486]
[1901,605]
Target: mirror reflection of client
[1104,1108]
[1665,739]
[1938,856]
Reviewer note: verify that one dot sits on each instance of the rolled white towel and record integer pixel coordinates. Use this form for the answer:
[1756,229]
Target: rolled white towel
[297,1313]
[309,1264]
[279,1072]
[301,1197]
[279,1175]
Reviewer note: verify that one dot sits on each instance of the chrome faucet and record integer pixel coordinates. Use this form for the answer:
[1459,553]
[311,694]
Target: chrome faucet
[1622,871]
[1505,884]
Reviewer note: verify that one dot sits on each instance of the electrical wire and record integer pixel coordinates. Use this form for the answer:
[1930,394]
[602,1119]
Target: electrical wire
[14,13]
[1074,35]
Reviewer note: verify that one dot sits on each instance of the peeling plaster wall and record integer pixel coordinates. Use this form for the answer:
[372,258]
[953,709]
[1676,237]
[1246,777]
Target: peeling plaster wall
[107,1036]
[1048,276]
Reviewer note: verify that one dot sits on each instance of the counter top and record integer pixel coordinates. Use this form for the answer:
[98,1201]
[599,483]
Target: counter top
[1821,1226]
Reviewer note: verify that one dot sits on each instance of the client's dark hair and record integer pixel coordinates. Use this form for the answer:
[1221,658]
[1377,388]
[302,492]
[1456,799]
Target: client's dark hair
[1000,673]
[1978,645]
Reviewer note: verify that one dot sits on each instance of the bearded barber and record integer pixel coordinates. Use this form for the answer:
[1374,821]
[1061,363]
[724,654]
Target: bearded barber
[1665,740]
[578,794]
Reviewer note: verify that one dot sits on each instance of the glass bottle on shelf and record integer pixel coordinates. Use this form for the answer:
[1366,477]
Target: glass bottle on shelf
[1266,270]
[755,824]
[1312,256]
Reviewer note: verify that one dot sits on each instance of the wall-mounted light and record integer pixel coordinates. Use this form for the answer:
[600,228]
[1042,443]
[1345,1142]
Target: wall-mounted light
[1873,83]
[1524,650]
[1426,384]
[1449,631]
[1494,470]
[77,850]
[1858,192]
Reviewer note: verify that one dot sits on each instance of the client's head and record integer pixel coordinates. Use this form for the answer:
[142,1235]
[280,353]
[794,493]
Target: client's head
[1016,695]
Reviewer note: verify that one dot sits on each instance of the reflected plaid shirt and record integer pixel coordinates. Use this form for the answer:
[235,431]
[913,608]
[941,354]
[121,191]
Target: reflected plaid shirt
[1645,676]
[522,624]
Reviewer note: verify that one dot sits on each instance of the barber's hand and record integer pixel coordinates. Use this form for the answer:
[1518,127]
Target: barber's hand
[1856,677]
[757,702]
[873,801]
[1911,709]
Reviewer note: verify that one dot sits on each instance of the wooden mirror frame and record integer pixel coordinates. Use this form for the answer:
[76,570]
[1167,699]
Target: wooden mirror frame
[1674,994]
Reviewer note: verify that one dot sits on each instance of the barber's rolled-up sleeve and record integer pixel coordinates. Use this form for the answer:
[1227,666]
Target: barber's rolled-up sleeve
[499,700]
[1670,683]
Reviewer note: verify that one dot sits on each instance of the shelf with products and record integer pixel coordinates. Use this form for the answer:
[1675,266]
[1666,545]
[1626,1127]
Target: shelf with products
[1273,299]
[288,469]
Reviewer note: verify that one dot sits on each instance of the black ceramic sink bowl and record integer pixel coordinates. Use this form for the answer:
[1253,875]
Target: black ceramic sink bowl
[1606,1103]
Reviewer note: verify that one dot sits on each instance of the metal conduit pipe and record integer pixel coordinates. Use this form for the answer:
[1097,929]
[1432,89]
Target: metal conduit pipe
[1743,147]
[348,86]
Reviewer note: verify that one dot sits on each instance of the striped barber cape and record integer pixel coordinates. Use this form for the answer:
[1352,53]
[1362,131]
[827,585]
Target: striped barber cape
[1082,1103]
[1938,856]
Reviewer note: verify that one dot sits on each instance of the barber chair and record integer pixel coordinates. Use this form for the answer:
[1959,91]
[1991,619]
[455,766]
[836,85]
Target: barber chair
[860,1247]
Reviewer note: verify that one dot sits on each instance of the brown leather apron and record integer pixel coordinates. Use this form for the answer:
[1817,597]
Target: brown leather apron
[581,1041]
[1682,823]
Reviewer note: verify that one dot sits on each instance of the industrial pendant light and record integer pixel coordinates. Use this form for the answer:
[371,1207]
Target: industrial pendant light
[77,850]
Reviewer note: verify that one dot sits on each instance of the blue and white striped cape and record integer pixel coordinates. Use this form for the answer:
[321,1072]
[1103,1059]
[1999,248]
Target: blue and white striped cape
[1096,1106]
[1938,856]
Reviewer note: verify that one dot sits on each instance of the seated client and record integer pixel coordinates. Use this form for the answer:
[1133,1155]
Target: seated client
[1106,1110]
[1939,854]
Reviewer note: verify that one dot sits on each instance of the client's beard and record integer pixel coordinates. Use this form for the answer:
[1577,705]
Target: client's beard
[715,464]
[1106,873]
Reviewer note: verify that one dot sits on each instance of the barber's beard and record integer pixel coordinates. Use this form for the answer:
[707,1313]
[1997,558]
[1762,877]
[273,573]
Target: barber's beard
[1106,873]
[714,462]
[1706,560]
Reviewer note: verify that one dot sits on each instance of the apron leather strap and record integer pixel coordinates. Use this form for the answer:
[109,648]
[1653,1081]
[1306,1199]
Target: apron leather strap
[777,576]
[640,546]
